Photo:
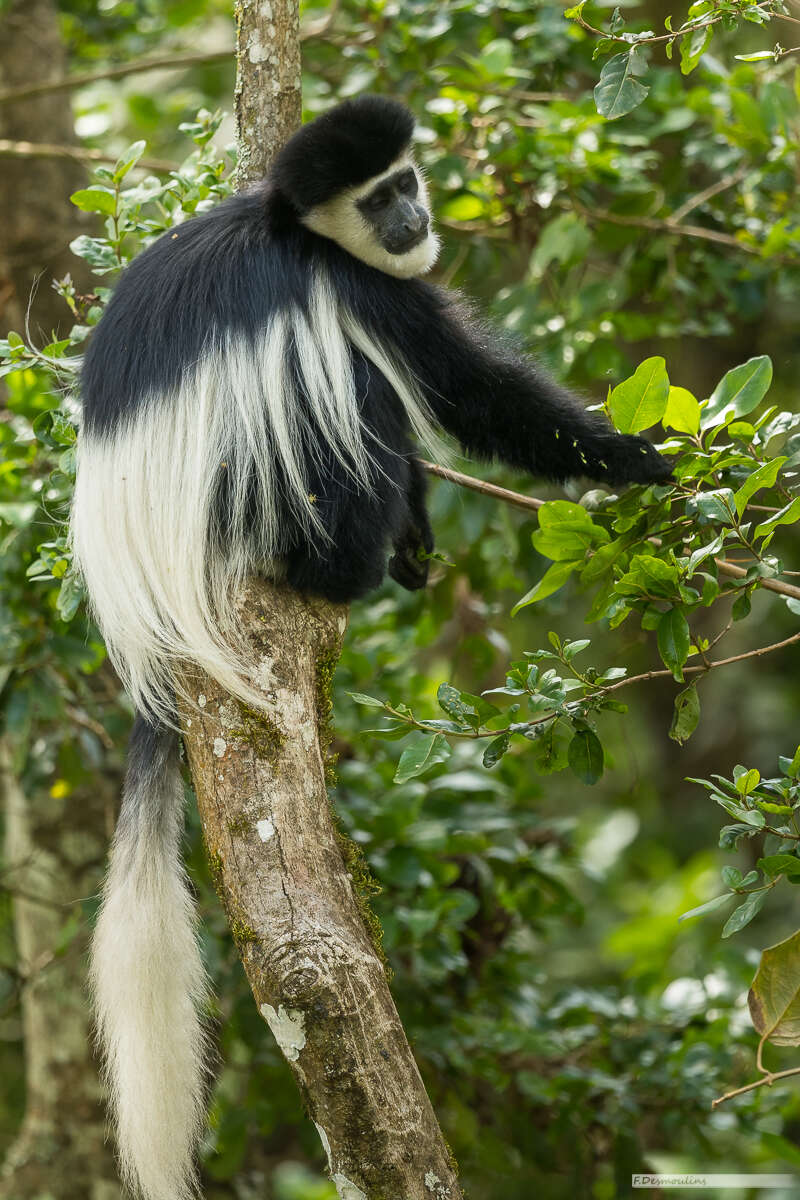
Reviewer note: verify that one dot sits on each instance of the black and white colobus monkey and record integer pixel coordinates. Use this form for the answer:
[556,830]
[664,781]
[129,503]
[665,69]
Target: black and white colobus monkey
[250,400]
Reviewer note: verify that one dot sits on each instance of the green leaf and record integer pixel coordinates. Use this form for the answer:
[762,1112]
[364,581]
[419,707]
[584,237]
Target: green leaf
[780,864]
[718,506]
[682,412]
[774,997]
[420,757]
[102,200]
[496,57]
[790,767]
[709,906]
[674,641]
[69,596]
[638,402]
[566,531]
[756,56]
[128,160]
[565,239]
[786,516]
[693,46]
[747,781]
[52,428]
[744,914]
[649,575]
[456,705]
[617,91]
[585,756]
[495,750]
[686,715]
[702,553]
[367,701]
[554,578]
[741,605]
[739,392]
[764,477]
[464,207]
[98,253]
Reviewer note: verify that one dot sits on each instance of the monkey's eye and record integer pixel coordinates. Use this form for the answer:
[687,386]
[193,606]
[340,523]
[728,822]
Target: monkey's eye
[407,183]
[377,200]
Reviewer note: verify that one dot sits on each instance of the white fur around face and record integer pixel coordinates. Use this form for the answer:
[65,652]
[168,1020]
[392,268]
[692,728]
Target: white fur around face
[340,220]
[161,588]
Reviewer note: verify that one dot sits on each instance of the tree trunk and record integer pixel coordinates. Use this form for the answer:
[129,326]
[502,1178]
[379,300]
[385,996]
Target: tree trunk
[286,877]
[37,221]
[54,847]
[53,856]
[268,82]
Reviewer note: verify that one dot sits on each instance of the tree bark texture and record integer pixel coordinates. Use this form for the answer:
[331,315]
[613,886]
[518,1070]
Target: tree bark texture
[37,221]
[54,854]
[268,82]
[289,884]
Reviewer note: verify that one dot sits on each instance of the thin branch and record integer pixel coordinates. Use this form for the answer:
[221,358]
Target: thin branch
[713,189]
[634,40]
[85,78]
[532,504]
[529,503]
[11,149]
[767,1080]
[772,585]
[164,62]
[669,226]
[703,668]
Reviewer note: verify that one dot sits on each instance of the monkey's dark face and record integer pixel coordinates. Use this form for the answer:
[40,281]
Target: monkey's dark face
[394,212]
[385,222]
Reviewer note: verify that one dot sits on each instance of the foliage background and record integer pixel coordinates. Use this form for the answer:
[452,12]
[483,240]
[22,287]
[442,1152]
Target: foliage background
[569,1029]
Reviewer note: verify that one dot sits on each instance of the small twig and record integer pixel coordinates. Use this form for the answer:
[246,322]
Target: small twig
[11,149]
[164,62]
[709,666]
[713,189]
[81,718]
[669,226]
[530,503]
[772,585]
[768,1079]
[84,78]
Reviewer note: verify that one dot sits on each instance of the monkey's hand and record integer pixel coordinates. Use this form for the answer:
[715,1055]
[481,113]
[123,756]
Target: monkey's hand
[408,566]
[624,458]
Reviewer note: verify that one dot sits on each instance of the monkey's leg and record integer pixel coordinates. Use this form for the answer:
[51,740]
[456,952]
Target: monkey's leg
[409,563]
[349,566]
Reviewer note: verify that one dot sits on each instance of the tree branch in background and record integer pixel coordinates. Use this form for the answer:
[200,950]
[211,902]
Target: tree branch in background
[81,154]
[673,228]
[164,62]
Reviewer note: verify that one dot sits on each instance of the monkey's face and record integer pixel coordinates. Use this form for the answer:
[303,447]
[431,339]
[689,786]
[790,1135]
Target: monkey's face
[385,222]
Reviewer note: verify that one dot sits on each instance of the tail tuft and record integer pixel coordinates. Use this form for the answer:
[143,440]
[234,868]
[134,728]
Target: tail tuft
[148,979]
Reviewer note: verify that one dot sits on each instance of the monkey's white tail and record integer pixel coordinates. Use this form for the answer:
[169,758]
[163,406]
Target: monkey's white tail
[148,979]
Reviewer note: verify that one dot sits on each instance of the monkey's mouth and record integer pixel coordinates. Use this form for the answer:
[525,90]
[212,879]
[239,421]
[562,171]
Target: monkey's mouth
[403,245]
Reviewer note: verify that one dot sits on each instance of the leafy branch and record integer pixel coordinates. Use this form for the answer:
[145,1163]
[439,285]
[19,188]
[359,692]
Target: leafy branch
[620,88]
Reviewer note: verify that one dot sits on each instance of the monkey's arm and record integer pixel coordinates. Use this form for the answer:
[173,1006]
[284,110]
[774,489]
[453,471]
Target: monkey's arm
[500,404]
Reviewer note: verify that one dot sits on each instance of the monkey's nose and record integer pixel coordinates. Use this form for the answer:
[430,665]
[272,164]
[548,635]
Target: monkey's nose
[418,223]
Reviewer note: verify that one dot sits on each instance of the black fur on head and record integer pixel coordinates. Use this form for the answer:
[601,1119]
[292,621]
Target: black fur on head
[342,148]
